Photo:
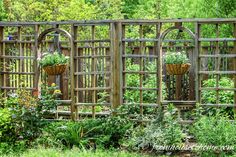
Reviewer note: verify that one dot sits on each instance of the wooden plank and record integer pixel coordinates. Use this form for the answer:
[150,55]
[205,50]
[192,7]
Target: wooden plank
[36,67]
[93,104]
[116,65]
[217,64]
[178,87]
[72,70]
[217,72]
[90,41]
[138,56]
[141,68]
[234,63]
[217,88]
[2,79]
[159,64]
[218,55]
[219,105]
[197,60]
[94,78]
[106,22]
[139,88]
[216,39]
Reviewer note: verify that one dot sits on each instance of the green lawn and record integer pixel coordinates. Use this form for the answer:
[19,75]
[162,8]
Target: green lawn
[75,153]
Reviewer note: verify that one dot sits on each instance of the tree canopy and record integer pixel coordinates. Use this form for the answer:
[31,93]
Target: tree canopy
[57,10]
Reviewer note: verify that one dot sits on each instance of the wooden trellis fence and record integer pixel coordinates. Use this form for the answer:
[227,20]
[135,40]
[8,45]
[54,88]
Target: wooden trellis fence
[116,60]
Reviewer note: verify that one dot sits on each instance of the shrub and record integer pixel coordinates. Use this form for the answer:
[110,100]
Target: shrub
[54,58]
[216,131]
[104,132]
[176,58]
[163,131]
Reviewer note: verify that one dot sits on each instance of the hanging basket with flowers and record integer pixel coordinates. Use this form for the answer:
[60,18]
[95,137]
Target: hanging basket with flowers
[177,63]
[54,63]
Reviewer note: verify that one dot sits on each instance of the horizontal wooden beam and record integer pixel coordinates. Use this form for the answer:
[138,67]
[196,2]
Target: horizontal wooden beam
[140,88]
[217,39]
[217,72]
[218,55]
[107,22]
[215,88]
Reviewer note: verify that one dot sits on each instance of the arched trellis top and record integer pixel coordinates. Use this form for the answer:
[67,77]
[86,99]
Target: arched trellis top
[58,30]
[163,35]
[67,34]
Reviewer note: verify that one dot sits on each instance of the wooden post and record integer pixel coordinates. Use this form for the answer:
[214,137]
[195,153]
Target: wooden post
[94,69]
[234,63]
[36,67]
[72,77]
[217,62]
[159,65]
[197,67]
[116,65]
[1,60]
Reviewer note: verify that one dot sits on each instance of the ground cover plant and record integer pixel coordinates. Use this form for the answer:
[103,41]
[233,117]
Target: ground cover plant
[215,130]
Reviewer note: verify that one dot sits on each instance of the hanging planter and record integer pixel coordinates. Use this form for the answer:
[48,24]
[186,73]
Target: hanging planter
[176,63]
[54,63]
[55,70]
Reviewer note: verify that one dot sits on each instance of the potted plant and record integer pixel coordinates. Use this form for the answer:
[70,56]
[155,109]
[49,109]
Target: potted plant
[177,63]
[54,63]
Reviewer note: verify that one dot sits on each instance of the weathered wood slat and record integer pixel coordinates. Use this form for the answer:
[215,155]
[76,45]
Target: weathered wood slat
[19,73]
[92,40]
[93,56]
[14,88]
[179,102]
[93,104]
[140,72]
[218,55]
[17,57]
[217,72]
[217,88]
[92,89]
[219,105]
[124,22]
[138,56]
[139,88]
[216,39]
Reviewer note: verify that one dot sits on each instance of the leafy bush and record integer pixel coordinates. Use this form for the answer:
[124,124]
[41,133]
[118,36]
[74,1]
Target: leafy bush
[176,58]
[225,97]
[216,131]
[49,95]
[54,58]
[163,131]
[105,132]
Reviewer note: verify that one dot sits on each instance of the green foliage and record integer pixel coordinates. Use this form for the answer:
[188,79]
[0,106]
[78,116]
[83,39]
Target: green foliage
[49,95]
[163,131]
[55,58]
[217,131]
[5,123]
[106,133]
[225,97]
[150,81]
[75,152]
[176,58]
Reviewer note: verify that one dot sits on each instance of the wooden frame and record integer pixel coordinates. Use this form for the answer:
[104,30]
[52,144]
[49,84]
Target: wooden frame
[103,58]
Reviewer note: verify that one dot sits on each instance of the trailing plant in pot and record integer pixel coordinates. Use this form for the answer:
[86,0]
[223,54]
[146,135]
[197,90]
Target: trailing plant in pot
[177,63]
[54,63]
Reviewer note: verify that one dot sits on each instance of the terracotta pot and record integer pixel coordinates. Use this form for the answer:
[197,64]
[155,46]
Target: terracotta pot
[177,69]
[55,70]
